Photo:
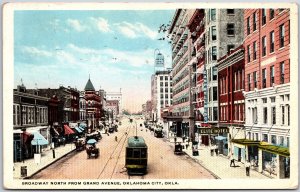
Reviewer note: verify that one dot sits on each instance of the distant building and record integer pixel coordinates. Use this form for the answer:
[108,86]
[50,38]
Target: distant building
[116,96]
[112,108]
[82,107]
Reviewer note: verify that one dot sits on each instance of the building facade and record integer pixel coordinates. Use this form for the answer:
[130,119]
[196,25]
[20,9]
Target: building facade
[267,79]
[112,107]
[231,82]
[116,96]
[182,111]
[82,107]
[161,93]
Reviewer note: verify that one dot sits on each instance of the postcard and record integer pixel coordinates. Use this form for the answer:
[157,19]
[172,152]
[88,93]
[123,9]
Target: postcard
[150,95]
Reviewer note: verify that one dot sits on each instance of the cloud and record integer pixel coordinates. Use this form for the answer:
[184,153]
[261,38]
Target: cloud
[75,24]
[101,24]
[135,30]
[33,51]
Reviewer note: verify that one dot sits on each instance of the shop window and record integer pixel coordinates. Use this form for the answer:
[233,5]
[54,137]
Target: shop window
[230,29]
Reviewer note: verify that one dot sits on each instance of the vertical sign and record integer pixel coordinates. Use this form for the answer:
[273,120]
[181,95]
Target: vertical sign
[205,94]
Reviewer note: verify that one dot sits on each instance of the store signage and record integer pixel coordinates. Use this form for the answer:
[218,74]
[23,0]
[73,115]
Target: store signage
[213,130]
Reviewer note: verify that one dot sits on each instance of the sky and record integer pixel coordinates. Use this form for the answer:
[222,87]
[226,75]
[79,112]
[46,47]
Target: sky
[115,48]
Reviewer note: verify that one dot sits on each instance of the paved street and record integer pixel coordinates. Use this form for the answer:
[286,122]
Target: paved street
[162,163]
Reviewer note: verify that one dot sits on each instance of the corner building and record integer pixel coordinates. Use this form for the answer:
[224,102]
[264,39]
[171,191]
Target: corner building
[267,84]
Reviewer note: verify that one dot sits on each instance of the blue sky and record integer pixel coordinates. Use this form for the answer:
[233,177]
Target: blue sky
[116,48]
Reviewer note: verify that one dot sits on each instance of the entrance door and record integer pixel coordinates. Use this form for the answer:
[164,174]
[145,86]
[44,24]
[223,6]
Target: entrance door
[17,151]
[239,154]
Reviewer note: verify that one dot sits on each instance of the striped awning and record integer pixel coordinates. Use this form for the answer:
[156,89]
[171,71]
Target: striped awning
[68,130]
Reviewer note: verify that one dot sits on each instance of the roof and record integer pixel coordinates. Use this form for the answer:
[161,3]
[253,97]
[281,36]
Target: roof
[89,86]
[136,141]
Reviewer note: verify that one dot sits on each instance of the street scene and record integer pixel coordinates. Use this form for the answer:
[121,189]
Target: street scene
[152,94]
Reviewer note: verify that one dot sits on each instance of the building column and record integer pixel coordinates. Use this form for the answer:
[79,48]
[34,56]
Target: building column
[260,163]
[280,167]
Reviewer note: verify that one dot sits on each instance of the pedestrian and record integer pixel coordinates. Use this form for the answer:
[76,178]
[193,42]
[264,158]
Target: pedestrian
[247,165]
[232,160]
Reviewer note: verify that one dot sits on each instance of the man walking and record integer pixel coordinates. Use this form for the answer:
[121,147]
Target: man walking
[232,160]
[247,165]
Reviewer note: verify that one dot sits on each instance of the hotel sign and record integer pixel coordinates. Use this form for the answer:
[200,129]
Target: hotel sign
[213,130]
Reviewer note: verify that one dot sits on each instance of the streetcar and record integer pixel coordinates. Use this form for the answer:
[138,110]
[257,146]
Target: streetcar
[136,155]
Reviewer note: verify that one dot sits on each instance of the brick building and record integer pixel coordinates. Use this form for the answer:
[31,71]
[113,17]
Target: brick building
[267,84]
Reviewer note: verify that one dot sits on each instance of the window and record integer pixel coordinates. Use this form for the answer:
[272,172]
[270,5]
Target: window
[229,48]
[273,99]
[254,79]
[264,100]
[281,140]
[271,14]
[254,21]
[213,33]
[264,78]
[213,14]
[282,72]
[265,115]
[265,137]
[273,113]
[272,42]
[248,53]
[248,25]
[281,35]
[161,78]
[249,82]
[215,73]
[272,75]
[254,117]
[288,142]
[263,17]
[214,53]
[256,136]
[288,111]
[282,115]
[254,50]
[215,115]
[264,48]
[280,10]
[215,94]
[273,139]
[230,11]
[230,29]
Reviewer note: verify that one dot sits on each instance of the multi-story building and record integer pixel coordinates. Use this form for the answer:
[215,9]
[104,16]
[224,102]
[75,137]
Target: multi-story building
[116,96]
[182,111]
[30,123]
[267,79]
[224,32]
[82,107]
[93,105]
[231,82]
[74,104]
[199,83]
[161,92]
[112,108]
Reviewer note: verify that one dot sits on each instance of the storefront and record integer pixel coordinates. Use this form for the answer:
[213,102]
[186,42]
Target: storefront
[275,160]
[241,150]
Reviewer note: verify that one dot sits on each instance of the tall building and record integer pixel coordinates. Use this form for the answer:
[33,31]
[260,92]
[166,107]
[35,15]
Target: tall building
[159,62]
[161,86]
[224,32]
[82,107]
[267,94]
[116,96]
[182,109]
[93,105]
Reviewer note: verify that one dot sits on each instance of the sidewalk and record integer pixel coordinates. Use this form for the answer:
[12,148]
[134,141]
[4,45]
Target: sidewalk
[46,160]
[219,165]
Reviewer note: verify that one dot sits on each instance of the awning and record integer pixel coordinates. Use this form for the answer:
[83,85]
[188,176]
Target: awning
[280,150]
[220,138]
[39,139]
[245,141]
[83,125]
[68,130]
[27,137]
[77,129]
[81,128]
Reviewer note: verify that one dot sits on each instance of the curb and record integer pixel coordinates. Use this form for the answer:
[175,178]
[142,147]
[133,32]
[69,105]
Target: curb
[56,159]
[197,161]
